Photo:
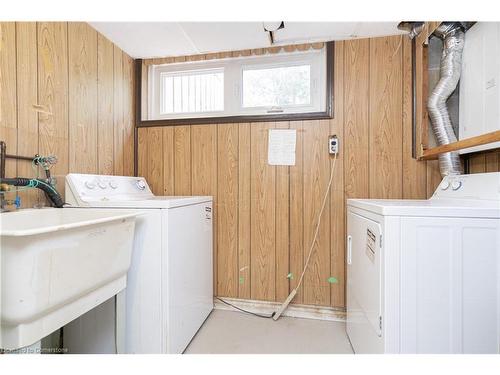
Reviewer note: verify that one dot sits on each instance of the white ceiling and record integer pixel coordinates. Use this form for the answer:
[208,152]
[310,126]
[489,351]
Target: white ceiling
[162,39]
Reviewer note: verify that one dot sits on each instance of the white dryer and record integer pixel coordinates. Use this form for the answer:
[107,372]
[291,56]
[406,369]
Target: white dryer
[423,276]
[169,291]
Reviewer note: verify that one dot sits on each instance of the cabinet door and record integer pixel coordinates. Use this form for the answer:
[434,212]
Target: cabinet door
[450,285]
[188,275]
[364,283]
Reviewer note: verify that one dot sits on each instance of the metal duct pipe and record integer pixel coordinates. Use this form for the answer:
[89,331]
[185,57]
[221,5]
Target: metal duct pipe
[413,27]
[450,68]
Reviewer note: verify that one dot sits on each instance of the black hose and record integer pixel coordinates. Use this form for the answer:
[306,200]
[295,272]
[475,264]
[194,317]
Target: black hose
[3,152]
[52,193]
[47,174]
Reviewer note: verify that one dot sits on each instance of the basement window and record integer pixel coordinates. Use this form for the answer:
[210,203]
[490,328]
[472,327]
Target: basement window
[191,92]
[281,87]
[285,83]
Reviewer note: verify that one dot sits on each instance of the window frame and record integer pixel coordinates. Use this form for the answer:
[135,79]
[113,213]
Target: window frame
[327,113]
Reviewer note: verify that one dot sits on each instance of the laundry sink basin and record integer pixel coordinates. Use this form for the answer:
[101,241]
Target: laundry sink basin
[57,264]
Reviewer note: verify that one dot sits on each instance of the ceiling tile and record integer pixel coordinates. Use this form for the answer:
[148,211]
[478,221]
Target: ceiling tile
[297,32]
[147,39]
[162,39]
[226,36]
[374,29]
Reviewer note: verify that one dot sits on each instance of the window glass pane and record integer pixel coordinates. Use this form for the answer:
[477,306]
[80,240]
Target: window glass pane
[280,86]
[192,91]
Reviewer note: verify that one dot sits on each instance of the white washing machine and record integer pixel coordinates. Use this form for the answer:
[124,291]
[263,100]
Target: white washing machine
[169,291]
[423,276]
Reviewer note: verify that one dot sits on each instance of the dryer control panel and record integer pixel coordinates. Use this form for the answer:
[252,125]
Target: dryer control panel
[485,186]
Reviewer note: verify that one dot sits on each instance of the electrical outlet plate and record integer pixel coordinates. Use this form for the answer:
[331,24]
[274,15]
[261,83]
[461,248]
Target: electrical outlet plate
[333,145]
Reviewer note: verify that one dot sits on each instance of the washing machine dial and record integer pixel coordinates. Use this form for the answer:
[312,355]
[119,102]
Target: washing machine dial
[113,185]
[102,185]
[90,184]
[457,184]
[140,184]
[445,185]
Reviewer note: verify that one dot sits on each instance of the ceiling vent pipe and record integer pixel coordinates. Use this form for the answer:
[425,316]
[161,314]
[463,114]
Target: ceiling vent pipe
[412,27]
[453,36]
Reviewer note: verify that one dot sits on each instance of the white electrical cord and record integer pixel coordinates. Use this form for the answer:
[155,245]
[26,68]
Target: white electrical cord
[292,294]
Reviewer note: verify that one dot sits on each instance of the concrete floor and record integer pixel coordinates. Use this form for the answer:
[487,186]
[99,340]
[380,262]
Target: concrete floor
[228,332]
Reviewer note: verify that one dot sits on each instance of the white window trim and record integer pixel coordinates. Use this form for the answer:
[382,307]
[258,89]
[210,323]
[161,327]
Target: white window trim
[233,79]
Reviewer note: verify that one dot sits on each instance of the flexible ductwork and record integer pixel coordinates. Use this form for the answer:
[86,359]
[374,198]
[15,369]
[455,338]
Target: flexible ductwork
[450,68]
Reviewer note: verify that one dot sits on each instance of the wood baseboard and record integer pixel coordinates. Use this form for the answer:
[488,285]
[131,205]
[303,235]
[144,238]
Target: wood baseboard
[293,311]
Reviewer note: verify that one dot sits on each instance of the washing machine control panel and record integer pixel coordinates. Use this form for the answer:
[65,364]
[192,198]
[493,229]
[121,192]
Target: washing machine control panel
[104,187]
[141,185]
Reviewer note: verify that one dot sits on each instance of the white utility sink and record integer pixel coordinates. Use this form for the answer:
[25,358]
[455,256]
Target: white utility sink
[57,264]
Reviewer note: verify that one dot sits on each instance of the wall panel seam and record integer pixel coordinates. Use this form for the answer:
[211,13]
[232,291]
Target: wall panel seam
[17,95]
[238,275]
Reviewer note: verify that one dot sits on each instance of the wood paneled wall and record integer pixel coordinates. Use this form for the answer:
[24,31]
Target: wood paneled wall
[485,162]
[265,215]
[67,91]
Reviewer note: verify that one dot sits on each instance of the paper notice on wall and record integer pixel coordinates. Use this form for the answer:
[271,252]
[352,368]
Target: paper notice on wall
[281,148]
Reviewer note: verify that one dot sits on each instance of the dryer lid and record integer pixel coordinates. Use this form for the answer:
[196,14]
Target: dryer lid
[474,195]
[430,207]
